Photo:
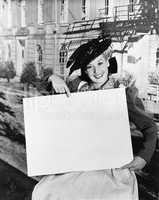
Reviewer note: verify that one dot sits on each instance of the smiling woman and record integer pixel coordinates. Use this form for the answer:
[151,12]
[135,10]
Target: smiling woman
[96,65]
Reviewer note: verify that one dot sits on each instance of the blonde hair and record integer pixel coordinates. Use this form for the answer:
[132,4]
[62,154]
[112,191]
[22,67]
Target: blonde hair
[108,53]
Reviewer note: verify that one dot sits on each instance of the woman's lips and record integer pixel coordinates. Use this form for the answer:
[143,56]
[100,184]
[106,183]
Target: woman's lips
[98,76]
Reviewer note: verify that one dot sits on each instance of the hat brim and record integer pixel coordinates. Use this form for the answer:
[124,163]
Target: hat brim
[87,52]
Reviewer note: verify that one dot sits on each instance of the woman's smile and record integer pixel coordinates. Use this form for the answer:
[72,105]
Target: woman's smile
[98,76]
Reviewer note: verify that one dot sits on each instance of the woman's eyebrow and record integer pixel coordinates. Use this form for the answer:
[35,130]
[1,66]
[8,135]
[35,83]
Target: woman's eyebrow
[101,60]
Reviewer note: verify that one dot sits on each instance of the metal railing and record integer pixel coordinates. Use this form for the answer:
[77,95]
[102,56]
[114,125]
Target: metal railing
[127,12]
[124,12]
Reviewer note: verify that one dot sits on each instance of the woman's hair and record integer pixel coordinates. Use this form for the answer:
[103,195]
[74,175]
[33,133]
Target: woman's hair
[84,76]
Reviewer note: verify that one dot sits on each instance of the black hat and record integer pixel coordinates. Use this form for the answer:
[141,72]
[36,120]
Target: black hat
[87,52]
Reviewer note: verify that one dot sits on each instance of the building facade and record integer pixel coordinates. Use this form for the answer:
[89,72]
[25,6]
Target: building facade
[48,31]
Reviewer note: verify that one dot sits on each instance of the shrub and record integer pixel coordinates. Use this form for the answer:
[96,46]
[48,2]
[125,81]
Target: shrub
[10,127]
[153,77]
[46,73]
[29,74]
[7,70]
[42,85]
[126,78]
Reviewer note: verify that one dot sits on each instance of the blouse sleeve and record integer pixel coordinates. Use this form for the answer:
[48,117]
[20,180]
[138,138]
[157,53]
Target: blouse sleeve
[146,125]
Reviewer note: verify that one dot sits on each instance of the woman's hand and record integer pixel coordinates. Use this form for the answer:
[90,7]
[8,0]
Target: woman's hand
[59,85]
[132,93]
[138,163]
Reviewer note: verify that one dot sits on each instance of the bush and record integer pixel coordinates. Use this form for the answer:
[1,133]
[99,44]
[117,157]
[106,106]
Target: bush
[46,73]
[126,78]
[10,127]
[42,85]
[153,77]
[29,74]
[7,70]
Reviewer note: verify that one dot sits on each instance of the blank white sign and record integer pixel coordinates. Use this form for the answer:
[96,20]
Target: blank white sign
[87,131]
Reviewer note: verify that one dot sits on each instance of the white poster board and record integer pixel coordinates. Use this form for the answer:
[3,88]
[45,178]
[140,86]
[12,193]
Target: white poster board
[87,131]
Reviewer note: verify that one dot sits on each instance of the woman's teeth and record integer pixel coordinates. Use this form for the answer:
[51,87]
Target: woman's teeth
[98,76]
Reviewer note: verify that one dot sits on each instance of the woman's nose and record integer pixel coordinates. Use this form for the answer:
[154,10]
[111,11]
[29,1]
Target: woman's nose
[97,69]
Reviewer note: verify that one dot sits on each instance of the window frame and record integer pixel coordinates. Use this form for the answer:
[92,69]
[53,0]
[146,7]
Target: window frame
[131,6]
[23,13]
[63,11]
[106,7]
[63,54]
[157,57]
[40,12]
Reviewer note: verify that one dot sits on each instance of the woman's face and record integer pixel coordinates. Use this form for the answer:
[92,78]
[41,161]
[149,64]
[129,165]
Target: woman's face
[97,70]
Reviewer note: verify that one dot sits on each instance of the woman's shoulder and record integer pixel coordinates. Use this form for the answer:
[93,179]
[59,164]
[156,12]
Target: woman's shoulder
[76,84]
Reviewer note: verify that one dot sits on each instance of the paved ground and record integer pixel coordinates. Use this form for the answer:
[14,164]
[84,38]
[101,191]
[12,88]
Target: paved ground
[14,185]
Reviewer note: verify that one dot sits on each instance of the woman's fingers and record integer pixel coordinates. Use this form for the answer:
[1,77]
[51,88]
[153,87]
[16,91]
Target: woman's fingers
[67,91]
[129,165]
[137,164]
[62,89]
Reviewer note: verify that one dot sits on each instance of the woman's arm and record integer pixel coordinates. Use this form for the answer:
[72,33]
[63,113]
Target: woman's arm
[149,144]
[146,125]
[59,85]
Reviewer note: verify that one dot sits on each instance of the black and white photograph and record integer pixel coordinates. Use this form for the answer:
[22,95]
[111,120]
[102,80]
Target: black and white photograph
[71,56]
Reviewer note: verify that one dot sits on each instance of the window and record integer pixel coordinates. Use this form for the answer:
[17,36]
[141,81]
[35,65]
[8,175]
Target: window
[83,9]
[23,13]
[131,59]
[22,53]
[9,10]
[64,11]
[40,53]
[102,8]
[63,54]
[9,51]
[131,5]
[40,11]
[106,7]
[63,58]
[157,57]
[39,59]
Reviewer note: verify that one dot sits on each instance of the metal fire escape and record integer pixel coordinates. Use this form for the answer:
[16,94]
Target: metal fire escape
[128,24]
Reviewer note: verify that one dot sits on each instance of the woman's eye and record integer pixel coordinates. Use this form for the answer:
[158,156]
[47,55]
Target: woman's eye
[89,67]
[100,63]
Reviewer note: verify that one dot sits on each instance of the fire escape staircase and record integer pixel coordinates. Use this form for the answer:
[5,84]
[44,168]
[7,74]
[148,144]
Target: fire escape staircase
[78,31]
[128,24]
